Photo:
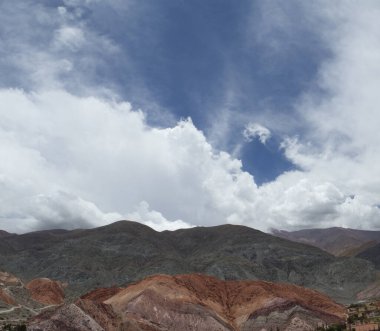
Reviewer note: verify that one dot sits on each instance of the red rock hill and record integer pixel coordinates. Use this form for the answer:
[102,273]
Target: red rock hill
[46,291]
[196,302]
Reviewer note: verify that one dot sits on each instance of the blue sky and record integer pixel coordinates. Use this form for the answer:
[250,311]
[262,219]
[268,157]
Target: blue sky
[250,109]
[188,55]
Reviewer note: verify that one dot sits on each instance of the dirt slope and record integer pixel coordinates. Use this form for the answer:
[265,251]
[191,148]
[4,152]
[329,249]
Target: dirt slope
[46,291]
[18,302]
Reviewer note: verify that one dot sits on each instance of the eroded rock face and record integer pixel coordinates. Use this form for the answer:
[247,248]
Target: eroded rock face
[101,294]
[65,318]
[19,302]
[200,302]
[7,279]
[46,291]
[102,313]
[7,298]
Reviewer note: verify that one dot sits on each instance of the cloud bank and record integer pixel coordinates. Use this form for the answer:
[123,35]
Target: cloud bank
[76,162]
[79,158]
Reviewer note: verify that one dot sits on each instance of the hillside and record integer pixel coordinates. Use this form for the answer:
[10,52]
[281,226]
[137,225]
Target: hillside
[372,254]
[337,241]
[195,302]
[18,301]
[4,233]
[125,252]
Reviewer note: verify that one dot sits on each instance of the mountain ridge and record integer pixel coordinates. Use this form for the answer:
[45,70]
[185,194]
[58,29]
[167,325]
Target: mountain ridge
[124,252]
[335,240]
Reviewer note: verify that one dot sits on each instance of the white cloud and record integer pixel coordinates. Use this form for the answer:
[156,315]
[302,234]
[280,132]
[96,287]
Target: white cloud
[104,157]
[61,209]
[69,36]
[155,219]
[47,47]
[340,115]
[255,130]
[69,161]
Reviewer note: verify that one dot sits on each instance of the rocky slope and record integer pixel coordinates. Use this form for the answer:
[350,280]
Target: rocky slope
[337,241]
[372,254]
[195,302]
[19,301]
[3,233]
[46,291]
[372,292]
[7,279]
[124,252]
[7,283]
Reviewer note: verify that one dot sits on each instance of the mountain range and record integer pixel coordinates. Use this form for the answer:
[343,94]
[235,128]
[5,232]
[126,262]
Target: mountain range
[337,241]
[125,252]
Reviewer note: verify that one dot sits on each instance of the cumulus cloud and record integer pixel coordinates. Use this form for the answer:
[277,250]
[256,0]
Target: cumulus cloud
[101,156]
[76,161]
[340,115]
[64,210]
[155,219]
[255,130]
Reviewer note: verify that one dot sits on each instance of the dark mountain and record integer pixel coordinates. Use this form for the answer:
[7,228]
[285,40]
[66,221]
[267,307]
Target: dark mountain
[372,254]
[4,233]
[125,252]
[337,241]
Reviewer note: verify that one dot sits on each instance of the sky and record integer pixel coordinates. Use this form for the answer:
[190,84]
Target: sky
[182,113]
